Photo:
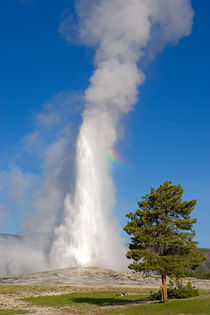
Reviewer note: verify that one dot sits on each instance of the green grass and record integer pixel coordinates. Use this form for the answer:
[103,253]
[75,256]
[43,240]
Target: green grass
[100,298]
[195,306]
[12,312]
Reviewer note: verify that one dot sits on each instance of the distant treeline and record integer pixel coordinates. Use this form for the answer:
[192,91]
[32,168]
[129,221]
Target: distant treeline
[198,274]
[206,266]
[202,272]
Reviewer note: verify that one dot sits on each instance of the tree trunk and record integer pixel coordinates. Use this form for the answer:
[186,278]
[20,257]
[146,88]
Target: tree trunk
[164,289]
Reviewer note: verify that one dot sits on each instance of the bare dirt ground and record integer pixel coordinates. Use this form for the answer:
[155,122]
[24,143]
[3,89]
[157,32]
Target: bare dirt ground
[57,282]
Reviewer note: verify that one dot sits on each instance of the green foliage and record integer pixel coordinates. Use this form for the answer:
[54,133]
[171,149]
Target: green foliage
[198,274]
[162,233]
[203,271]
[179,292]
[206,266]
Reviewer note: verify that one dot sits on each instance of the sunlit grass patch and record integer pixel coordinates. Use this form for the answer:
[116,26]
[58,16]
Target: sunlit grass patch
[192,306]
[98,298]
[12,312]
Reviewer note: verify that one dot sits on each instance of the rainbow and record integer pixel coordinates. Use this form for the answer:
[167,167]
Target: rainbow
[115,158]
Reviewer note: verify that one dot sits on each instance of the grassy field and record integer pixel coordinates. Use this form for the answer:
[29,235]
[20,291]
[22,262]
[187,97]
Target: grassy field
[99,298]
[195,306]
[80,300]
[12,312]
[89,300]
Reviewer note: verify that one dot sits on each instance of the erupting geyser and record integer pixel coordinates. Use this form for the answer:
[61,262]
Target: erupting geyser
[78,228]
[123,32]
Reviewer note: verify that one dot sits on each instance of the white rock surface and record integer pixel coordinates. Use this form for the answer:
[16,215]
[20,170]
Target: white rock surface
[93,276]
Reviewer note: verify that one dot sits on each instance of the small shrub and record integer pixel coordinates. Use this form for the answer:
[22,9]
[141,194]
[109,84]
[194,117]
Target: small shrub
[178,292]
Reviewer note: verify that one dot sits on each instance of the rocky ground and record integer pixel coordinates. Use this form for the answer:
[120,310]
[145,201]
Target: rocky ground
[65,281]
[94,277]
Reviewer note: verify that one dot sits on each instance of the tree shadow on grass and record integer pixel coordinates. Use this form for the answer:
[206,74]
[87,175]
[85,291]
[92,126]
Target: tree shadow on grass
[107,301]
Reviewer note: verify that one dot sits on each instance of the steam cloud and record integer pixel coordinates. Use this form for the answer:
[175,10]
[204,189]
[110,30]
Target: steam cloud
[124,33]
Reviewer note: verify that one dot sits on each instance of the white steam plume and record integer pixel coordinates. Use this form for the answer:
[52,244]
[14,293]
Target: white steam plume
[123,31]
[37,198]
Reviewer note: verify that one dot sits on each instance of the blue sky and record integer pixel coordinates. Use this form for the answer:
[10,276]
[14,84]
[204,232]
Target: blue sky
[165,137]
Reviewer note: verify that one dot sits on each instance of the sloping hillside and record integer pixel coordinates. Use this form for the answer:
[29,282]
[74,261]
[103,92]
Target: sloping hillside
[206,266]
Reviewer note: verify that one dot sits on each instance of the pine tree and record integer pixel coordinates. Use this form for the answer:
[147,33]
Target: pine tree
[162,234]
